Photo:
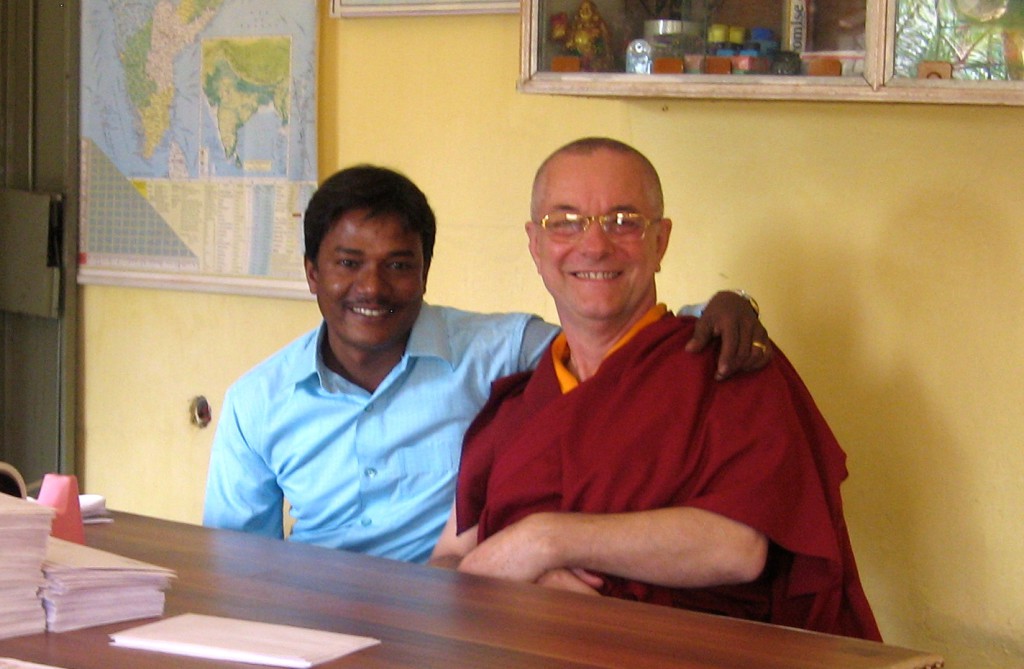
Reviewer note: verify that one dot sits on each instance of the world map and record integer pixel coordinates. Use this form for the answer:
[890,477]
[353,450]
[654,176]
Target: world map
[198,137]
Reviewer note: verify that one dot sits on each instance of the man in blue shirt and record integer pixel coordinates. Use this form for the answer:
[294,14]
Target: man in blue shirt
[358,424]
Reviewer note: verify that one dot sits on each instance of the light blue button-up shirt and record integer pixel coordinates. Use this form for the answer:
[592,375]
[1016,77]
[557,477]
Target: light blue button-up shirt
[368,472]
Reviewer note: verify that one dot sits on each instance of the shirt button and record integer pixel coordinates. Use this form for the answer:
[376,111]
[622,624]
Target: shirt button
[368,407]
[366,522]
[370,472]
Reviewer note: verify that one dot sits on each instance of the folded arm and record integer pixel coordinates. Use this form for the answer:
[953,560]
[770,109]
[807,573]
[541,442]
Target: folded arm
[676,547]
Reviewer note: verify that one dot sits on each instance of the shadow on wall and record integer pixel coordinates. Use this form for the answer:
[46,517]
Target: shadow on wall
[871,332]
[948,264]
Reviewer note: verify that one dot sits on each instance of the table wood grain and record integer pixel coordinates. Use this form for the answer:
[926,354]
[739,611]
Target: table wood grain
[427,617]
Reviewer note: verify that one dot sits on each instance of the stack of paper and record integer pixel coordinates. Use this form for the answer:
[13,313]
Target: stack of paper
[24,528]
[94,510]
[86,587]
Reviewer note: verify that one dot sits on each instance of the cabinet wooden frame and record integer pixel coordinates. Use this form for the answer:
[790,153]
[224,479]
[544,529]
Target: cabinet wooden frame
[878,83]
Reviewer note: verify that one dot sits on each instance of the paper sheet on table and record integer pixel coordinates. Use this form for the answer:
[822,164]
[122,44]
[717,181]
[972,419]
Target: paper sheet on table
[94,509]
[13,663]
[241,641]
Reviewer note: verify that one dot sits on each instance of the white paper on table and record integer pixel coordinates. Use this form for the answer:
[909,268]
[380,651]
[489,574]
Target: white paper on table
[12,663]
[94,509]
[217,638]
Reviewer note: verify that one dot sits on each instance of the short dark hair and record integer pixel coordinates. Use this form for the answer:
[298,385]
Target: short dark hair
[379,190]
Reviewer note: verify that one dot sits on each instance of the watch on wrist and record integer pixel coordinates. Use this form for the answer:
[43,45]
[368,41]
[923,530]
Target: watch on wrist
[750,300]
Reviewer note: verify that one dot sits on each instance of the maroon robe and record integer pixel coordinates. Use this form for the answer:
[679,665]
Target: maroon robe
[653,429]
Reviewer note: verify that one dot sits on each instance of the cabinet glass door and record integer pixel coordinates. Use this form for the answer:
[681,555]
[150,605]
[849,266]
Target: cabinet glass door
[968,40]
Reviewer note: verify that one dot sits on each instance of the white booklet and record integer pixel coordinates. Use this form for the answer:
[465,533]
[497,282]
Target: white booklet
[217,638]
[14,663]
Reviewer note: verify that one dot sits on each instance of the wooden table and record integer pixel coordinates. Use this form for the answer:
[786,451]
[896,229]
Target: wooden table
[427,617]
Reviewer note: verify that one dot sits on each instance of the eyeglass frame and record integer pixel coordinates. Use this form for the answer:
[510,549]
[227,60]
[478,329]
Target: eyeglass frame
[605,220]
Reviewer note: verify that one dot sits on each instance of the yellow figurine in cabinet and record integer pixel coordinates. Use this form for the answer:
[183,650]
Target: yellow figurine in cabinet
[588,38]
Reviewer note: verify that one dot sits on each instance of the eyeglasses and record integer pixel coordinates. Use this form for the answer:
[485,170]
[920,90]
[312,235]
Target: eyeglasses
[568,225]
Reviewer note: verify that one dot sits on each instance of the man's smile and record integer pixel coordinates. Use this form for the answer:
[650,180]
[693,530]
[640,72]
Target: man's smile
[371,312]
[596,276]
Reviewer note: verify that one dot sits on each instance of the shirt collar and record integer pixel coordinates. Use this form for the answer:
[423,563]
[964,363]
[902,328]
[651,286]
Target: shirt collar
[429,338]
[560,347]
[308,361]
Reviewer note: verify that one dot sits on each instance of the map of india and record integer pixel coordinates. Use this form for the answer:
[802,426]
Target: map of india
[241,76]
[198,139]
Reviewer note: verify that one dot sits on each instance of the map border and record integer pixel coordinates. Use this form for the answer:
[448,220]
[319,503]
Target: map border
[204,280]
[200,283]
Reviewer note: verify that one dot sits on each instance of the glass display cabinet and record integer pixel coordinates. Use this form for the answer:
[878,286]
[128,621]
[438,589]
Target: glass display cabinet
[937,51]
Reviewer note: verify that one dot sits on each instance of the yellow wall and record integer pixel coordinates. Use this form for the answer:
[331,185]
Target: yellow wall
[885,244]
